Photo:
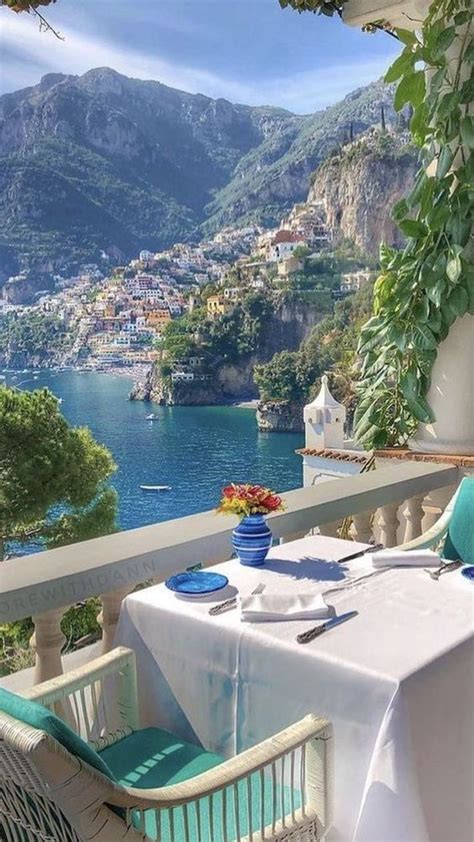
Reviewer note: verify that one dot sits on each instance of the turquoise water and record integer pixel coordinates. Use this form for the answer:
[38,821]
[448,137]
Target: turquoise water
[196,450]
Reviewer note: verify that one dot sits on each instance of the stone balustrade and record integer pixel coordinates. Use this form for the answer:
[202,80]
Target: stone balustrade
[44,585]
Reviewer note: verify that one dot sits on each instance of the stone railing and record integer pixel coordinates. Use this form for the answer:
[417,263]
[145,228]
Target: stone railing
[44,585]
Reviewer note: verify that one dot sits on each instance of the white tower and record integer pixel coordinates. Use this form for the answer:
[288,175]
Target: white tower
[324,420]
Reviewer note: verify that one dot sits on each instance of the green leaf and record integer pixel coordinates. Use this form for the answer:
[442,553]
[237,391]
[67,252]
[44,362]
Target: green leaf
[444,41]
[435,293]
[372,342]
[466,94]
[444,162]
[459,229]
[469,53]
[434,319]
[422,410]
[365,422]
[413,228]
[447,104]
[400,210]
[386,253]
[453,268]
[421,311]
[424,338]
[467,131]
[417,405]
[410,89]
[459,301]
[399,66]
[406,37]
[414,195]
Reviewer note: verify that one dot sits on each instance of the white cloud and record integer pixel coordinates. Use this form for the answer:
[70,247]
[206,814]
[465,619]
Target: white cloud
[33,53]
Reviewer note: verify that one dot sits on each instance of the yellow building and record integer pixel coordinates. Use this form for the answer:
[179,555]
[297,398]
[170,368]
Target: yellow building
[217,306]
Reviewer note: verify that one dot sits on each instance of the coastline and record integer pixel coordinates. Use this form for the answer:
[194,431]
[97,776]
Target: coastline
[134,372]
[252,404]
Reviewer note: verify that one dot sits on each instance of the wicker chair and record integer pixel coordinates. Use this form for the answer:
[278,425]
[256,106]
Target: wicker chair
[452,533]
[276,791]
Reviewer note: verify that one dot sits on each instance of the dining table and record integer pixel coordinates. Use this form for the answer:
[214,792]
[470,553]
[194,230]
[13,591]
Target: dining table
[396,681]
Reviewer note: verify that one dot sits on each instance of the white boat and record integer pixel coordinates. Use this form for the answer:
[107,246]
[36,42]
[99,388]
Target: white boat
[155,487]
[151,417]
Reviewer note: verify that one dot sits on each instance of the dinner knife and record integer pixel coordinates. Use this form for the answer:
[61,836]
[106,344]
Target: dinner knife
[307,636]
[372,549]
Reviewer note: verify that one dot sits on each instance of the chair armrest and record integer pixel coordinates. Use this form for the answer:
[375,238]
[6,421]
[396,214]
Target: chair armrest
[431,537]
[75,695]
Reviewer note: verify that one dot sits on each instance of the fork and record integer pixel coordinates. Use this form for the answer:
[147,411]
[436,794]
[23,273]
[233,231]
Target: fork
[445,568]
[231,603]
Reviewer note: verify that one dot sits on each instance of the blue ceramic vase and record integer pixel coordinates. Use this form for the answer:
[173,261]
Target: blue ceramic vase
[251,540]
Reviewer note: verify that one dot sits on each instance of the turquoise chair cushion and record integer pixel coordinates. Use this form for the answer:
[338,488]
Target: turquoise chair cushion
[152,758]
[38,716]
[459,543]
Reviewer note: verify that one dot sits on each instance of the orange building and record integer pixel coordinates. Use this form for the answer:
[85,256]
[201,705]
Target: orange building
[158,318]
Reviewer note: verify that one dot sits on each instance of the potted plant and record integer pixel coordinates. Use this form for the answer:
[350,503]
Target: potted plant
[252,538]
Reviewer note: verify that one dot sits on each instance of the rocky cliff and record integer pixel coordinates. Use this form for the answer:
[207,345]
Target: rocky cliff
[360,184]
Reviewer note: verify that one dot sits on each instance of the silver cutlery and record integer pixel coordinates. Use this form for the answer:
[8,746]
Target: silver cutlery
[371,549]
[231,603]
[307,636]
[445,568]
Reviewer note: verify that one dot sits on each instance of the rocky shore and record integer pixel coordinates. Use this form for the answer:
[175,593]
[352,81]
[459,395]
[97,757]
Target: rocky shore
[280,417]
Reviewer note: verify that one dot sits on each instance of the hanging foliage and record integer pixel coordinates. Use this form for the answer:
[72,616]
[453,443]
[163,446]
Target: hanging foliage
[423,289]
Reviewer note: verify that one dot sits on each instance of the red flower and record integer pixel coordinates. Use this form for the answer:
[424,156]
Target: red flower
[271,502]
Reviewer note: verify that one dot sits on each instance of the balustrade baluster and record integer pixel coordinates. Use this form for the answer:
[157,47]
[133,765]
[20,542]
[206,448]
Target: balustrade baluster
[47,642]
[108,617]
[413,514]
[330,529]
[388,523]
[361,528]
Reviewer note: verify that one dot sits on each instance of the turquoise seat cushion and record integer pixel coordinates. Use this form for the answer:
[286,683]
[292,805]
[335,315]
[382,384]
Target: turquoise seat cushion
[38,716]
[459,543]
[152,758]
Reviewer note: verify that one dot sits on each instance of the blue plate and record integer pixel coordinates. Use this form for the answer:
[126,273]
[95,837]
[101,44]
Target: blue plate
[199,583]
[468,572]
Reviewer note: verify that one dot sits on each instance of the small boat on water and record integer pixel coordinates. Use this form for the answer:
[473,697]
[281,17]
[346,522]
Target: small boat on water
[151,417]
[155,487]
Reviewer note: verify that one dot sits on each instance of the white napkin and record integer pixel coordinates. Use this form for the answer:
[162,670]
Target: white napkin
[410,558]
[277,606]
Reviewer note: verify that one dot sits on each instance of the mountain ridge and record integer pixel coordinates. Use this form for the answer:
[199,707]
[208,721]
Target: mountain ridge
[102,162]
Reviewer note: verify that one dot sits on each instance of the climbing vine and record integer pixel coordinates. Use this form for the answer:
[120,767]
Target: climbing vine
[425,287]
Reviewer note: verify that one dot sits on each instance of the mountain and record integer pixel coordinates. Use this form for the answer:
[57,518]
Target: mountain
[104,162]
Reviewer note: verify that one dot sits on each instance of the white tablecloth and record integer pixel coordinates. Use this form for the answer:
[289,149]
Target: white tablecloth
[397,682]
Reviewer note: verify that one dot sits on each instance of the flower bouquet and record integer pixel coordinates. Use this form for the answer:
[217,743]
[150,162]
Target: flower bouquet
[252,538]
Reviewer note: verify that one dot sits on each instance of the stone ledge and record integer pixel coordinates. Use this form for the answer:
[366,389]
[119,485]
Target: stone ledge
[413,456]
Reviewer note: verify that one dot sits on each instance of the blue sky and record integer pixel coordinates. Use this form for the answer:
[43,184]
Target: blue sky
[248,51]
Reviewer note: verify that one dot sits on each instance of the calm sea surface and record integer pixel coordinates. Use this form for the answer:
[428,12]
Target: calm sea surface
[196,450]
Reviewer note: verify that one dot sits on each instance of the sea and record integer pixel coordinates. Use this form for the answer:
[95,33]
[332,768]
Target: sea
[195,450]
